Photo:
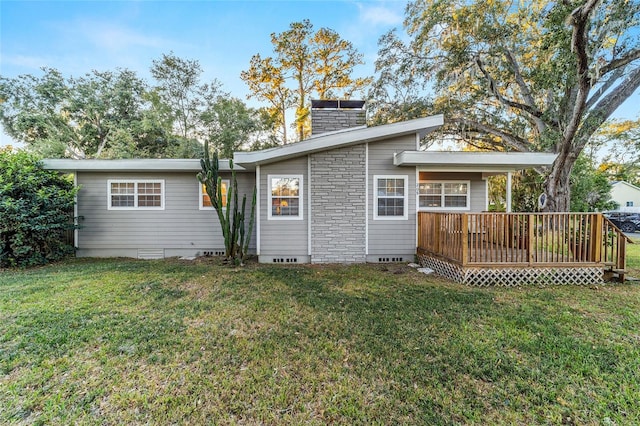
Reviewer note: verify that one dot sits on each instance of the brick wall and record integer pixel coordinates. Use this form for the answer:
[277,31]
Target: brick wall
[338,202]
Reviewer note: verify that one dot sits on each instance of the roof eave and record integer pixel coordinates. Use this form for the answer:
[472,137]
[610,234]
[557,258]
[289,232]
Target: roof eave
[339,139]
[499,162]
[131,165]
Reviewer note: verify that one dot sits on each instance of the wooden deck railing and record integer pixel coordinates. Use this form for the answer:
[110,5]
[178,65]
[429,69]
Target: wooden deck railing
[481,239]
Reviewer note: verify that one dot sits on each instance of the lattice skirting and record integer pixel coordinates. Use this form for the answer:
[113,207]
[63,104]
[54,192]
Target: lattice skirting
[513,276]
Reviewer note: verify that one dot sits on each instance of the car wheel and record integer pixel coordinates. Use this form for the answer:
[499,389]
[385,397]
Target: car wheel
[628,227]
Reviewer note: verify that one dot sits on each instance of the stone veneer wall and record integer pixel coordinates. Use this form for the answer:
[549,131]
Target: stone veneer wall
[338,200]
[329,120]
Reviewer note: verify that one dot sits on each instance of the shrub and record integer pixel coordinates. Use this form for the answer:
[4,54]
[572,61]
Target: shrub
[36,208]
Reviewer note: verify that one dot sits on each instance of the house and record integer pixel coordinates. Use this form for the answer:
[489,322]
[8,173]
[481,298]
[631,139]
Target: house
[626,195]
[347,194]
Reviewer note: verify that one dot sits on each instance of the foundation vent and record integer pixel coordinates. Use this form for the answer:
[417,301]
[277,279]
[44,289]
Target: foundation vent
[150,253]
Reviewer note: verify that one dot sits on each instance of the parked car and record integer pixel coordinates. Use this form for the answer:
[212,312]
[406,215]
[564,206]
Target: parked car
[627,222]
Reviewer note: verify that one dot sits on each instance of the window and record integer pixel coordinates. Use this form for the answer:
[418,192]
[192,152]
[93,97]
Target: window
[285,196]
[135,194]
[447,195]
[390,197]
[205,201]
[629,203]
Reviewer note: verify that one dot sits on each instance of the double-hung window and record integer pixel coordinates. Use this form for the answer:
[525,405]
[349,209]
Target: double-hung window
[135,194]
[390,197]
[285,196]
[443,195]
[205,200]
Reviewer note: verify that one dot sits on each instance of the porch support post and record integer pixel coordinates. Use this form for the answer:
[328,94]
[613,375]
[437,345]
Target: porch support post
[508,197]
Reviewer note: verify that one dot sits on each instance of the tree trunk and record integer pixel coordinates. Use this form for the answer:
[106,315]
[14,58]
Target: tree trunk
[557,186]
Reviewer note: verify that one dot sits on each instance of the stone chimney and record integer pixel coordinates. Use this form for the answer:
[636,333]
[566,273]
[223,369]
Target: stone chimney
[332,115]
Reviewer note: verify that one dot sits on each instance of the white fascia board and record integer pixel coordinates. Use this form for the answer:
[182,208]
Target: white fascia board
[132,165]
[339,139]
[473,161]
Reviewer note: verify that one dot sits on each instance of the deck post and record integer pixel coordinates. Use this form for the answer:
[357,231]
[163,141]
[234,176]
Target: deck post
[532,236]
[597,228]
[508,196]
[465,238]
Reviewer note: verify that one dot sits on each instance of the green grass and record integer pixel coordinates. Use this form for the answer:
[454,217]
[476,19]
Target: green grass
[166,342]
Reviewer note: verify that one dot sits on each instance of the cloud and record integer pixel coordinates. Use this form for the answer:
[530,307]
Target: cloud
[115,38]
[24,61]
[379,14]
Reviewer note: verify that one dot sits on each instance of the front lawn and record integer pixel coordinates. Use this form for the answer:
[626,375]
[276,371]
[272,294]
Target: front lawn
[165,342]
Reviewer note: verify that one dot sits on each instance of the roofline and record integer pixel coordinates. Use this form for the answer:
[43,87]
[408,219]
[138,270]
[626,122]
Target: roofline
[470,161]
[339,139]
[626,183]
[132,165]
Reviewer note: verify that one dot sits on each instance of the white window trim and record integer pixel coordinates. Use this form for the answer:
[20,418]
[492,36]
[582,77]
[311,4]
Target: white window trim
[201,194]
[300,197]
[443,208]
[135,194]
[405,197]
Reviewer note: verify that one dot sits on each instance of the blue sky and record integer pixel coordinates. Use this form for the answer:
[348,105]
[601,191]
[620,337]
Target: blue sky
[78,36]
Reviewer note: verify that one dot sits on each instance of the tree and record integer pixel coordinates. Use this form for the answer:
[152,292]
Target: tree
[36,207]
[305,63]
[590,187]
[184,96]
[268,84]
[529,76]
[621,140]
[98,115]
[229,125]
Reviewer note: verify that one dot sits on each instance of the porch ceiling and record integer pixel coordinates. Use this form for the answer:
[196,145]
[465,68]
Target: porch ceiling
[488,162]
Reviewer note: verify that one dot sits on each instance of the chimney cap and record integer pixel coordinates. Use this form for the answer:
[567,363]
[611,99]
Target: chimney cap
[336,104]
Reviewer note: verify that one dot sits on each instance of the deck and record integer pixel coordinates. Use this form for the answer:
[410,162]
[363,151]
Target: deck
[514,248]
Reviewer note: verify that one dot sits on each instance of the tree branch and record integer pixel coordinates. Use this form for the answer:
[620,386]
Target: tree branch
[513,141]
[579,19]
[493,88]
[618,72]
[621,62]
[606,106]
[525,90]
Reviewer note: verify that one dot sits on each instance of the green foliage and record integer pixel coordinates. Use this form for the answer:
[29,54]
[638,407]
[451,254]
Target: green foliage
[115,114]
[98,115]
[306,64]
[36,207]
[524,76]
[231,217]
[590,188]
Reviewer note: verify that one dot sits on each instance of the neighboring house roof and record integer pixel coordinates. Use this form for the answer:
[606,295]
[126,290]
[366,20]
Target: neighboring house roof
[470,161]
[339,139]
[624,183]
[138,165]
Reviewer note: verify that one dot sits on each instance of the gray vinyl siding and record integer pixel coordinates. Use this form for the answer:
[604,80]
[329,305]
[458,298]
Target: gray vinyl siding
[181,228]
[284,237]
[392,237]
[478,194]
